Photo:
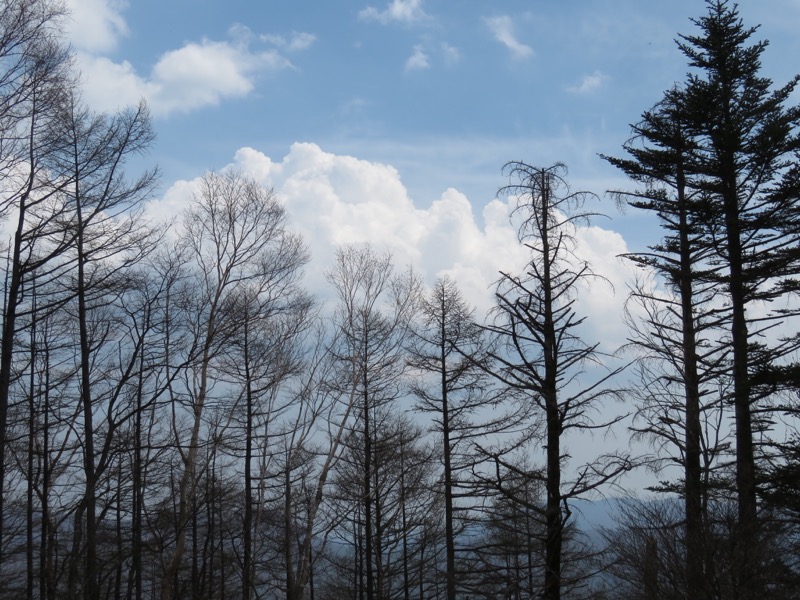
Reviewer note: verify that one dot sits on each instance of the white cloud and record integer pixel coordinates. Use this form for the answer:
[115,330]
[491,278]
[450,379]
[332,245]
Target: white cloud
[194,76]
[502,28]
[602,297]
[96,25]
[297,40]
[589,83]
[333,199]
[450,53]
[403,11]
[197,75]
[108,86]
[418,60]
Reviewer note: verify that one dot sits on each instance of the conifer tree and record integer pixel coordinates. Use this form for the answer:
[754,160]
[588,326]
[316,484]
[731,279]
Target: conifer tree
[541,355]
[449,353]
[733,168]
[746,157]
[672,342]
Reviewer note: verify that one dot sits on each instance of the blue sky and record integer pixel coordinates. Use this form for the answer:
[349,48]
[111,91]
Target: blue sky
[388,120]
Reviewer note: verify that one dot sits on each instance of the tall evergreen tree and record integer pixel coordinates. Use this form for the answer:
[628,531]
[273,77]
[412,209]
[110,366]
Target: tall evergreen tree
[673,342]
[746,157]
[720,169]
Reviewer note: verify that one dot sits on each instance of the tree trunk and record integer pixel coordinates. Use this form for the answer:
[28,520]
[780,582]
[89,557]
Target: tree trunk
[368,550]
[186,485]
[90,589]
[448,469]
[553,517]
[693,486]
[247,568]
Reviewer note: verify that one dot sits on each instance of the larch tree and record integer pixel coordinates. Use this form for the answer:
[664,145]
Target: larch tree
[374,314]
[110,238]
[450,353]
[237,242]
[261,360]
[34,75]
[542,356]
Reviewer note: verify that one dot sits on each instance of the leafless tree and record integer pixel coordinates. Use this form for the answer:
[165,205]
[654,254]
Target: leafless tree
[110,238]
[236,237]
[449,353]
[375,311]
[543,357]
[33,77]
[261,360]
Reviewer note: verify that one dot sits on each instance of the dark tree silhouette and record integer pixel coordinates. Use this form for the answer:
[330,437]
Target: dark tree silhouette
[542,355]
[680,359]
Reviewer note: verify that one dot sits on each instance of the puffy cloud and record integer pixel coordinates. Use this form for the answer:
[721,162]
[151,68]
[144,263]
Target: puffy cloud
[202,74]
[589,83]
[194,76]
[503,30]
[418,60]
[404,11]
[602,297]
[197,75]
[111,86]
[96,25]
[333,199]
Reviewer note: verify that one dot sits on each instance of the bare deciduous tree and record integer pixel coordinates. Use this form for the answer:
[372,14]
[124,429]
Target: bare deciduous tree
[33,77]
[542,355]
[110,238]
[375,311]
[237,241]
[449,352]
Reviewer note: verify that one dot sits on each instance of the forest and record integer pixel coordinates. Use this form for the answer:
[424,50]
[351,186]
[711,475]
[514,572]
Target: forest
[181,418]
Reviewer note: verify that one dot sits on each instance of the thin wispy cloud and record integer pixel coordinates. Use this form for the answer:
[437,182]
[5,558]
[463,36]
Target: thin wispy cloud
[502,27]
[295,42]
[418,61]
[402,11]
[450,53]
[589,83]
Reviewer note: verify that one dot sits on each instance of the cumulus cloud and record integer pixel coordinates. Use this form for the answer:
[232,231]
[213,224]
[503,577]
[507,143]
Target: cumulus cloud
[197,75]
[194,76]
[96,25]
[403,11]
[108,85]
[589,83]
[502,28]
[333,199]
[202,74]
[602,297]
[418,60]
